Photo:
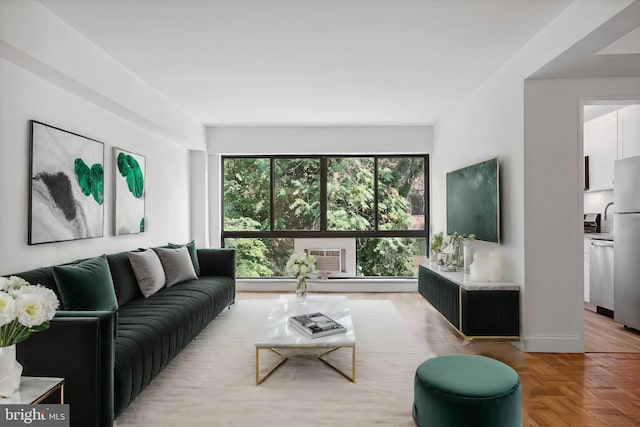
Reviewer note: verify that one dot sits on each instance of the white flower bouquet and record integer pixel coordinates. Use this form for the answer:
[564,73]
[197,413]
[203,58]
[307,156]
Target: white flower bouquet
[301,265]
[24,309]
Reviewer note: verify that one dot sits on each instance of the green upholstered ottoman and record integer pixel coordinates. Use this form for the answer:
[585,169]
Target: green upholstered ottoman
[466,390]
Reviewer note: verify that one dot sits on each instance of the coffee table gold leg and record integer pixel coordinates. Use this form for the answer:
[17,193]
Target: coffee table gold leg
[283,358]
[351,378]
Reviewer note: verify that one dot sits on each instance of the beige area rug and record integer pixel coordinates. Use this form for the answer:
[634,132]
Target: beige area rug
[212,381]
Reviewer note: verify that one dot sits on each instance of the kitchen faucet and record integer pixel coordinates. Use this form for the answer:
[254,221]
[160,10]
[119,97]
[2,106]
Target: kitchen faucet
[605,210]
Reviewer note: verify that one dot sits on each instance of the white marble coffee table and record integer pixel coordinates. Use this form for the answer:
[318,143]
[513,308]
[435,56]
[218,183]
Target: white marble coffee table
[278,335]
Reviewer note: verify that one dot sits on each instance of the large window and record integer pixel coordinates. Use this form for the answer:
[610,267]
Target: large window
[380,201]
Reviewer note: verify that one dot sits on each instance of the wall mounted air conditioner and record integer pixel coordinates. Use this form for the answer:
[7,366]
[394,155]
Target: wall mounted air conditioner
[328,260]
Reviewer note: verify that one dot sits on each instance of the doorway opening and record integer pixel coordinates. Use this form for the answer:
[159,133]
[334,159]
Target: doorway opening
[611,132]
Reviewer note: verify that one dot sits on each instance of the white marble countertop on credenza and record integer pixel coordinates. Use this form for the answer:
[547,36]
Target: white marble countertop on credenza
[463,280]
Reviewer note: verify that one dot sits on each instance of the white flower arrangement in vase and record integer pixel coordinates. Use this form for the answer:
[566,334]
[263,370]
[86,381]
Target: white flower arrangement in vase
[24,309]
[301,265]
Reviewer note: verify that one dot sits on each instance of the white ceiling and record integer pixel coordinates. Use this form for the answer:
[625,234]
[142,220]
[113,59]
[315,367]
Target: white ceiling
[303,62]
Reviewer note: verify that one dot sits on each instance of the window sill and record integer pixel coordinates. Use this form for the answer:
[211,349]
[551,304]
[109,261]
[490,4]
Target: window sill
[360,284]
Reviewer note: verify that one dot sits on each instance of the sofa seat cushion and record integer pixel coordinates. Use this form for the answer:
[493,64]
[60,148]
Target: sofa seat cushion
[152,331]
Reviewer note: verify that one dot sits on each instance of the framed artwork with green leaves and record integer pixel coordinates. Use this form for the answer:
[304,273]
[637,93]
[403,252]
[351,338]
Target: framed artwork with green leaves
[66,195]
[129,171]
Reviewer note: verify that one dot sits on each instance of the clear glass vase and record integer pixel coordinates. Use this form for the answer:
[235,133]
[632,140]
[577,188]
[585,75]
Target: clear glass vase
[301,290]
[468,250]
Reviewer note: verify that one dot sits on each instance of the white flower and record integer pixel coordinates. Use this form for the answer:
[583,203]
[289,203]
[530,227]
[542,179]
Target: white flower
[13,284]
[32,310]
[30,305]
[49,299]
[17,282]
[7,309]
[300,264]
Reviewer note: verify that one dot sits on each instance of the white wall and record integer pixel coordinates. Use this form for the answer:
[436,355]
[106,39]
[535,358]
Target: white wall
[26,97]
[50,73]
[553,171]
[215,200]
[490,122]
[320,140]
[39,41]
[199,189]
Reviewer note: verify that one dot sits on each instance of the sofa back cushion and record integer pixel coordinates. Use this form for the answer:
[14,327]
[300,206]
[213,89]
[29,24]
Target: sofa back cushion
[86,285]
[124,281]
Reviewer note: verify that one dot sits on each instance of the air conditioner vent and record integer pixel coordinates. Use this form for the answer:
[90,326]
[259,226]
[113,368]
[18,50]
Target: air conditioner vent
[327,260]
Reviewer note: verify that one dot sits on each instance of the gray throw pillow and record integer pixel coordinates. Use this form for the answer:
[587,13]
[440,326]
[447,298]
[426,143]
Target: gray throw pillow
[148,271]
[177,264]
[193,253]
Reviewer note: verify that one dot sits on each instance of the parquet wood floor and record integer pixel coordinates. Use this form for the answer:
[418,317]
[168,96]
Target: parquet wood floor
[603,335]
[595,389]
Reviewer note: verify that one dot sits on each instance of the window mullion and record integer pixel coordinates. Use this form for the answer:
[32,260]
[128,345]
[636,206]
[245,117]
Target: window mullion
[323,193]
[272,191]
[376,212]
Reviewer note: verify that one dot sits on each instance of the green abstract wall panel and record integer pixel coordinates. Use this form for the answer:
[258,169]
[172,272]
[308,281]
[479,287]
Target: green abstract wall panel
[129,192]
[67,185]
[473,201]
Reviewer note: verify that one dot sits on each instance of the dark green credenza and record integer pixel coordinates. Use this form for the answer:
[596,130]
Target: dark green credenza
[488,310]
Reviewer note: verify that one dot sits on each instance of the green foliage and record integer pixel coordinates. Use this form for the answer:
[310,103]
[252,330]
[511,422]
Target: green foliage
[454,247]
[390,256]
[297,198]
[246,193]
[350,194]
[437,242]
[350,207]
[130,170]
[251,260]
[400,192]
[91,180]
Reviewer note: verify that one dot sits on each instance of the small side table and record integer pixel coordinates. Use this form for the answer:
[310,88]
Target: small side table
[34,390]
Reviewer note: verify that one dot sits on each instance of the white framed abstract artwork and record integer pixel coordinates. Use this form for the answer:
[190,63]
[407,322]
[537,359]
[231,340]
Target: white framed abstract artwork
[130,180]
[66,200]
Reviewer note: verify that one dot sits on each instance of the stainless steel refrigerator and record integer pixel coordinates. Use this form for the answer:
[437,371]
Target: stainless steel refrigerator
[626,255]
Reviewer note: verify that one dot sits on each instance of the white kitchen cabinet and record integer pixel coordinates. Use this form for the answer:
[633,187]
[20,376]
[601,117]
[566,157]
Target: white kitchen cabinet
[629,131]
[601,141]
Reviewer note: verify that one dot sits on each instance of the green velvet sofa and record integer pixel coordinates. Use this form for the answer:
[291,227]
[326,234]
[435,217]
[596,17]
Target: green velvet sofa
[108,357]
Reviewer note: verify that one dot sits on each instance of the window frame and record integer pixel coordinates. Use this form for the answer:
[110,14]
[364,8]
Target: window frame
[323,232]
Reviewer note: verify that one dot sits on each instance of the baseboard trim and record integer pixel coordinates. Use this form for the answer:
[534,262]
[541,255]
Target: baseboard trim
[551,344]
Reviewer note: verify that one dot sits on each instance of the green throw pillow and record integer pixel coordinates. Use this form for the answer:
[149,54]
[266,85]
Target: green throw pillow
[86,285]
[191,246]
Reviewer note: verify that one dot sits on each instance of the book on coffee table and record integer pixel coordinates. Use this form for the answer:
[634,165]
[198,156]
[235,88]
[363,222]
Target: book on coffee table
[314,325]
